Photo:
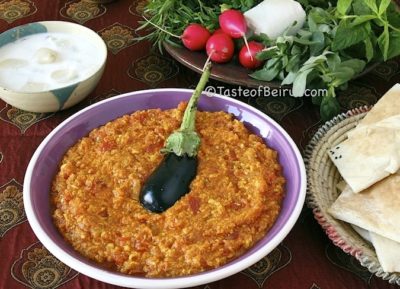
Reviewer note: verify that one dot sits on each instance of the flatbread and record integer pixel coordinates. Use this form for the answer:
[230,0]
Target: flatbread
[387,251]
[369,161]
[376,209]
[371,153]
[387,106]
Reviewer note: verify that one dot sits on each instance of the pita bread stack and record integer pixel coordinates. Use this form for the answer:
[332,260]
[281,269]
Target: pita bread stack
[369,162]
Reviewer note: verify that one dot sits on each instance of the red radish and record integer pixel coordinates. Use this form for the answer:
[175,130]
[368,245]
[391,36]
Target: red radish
[247,57]
[219,30]
[194,37]
[233,23]
[220,48]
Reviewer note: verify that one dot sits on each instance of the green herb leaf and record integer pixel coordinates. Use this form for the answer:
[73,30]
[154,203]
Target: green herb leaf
[267,54]
[372,5]
[304,33]
[383,6]
[342,6]
[319,43]
[290,77]
[333,61]
[320,16]
[267,74]
[393,15]
[294,63]
[369,49]
[357,65]
[300,82]
[329,107]
[311,24]
[383,42]
[394,44]
[272,62]
[324,28]
[347,35]
[361,19]
[359,8]
[303,41]
[263,38]
[341,75]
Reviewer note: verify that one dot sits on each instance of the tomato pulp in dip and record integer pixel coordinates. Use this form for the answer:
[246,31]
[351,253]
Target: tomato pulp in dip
[47,61]
[233,201]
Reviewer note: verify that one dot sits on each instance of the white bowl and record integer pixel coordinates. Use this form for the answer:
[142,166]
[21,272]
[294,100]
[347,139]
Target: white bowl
[64,96]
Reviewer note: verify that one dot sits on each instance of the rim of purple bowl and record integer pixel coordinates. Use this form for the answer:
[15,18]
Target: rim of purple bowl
[37,181]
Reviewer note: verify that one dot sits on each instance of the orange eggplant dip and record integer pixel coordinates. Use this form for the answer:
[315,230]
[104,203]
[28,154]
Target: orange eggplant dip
[233,201]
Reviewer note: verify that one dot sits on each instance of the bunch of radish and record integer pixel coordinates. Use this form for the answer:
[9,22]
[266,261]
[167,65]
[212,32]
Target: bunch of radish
[220,46]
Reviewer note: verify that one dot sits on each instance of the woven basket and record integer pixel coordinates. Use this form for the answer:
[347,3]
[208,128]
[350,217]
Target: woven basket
[322,179]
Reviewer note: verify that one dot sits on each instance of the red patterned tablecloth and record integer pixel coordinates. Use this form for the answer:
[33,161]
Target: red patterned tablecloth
[305,259]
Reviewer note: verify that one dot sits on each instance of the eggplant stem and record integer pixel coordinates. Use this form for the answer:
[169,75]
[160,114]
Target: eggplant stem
[185,140]
[189,117]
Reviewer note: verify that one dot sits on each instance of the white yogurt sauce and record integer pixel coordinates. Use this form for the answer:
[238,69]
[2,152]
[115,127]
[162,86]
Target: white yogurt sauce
[47,61]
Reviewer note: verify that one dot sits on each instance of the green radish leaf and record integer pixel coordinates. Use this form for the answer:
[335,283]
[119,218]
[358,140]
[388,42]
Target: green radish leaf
[329,107]
[342,6]
[383,6]
[300,83]
[347,35]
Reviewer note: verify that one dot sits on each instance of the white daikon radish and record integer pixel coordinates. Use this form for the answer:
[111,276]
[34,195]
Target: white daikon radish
[273,17]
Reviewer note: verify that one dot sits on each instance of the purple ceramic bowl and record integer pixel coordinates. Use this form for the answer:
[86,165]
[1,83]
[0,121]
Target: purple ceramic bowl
[45,161]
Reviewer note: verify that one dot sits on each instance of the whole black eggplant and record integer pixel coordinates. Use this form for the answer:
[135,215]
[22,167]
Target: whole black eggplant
[171,179]
[168,182]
